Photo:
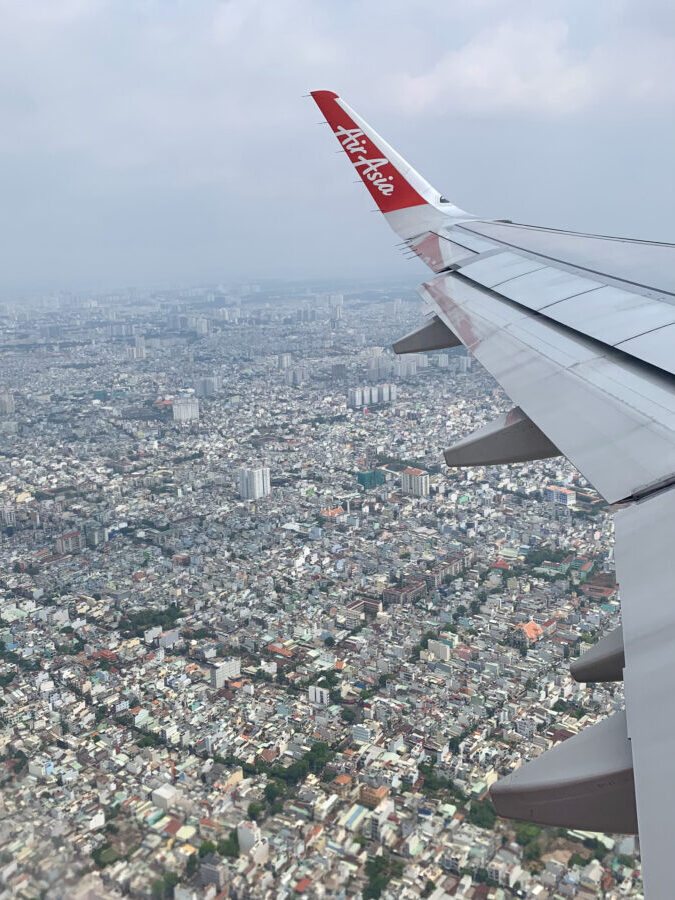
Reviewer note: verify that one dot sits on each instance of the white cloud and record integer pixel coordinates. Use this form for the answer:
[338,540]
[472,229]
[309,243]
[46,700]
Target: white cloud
[535,67]
[505,69]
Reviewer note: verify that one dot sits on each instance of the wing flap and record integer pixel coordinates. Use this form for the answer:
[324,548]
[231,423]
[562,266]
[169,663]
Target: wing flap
[511,437]
[433,335]
[605,661]
[585,782]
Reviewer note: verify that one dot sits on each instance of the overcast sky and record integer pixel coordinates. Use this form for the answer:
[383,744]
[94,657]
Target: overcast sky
[156,142]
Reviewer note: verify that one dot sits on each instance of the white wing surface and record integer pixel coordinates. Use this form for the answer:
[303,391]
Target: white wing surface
[580,331]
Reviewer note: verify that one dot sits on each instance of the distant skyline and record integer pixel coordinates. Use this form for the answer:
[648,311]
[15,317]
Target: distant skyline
[167,141]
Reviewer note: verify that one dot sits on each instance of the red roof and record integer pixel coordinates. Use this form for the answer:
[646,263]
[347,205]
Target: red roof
[173,827]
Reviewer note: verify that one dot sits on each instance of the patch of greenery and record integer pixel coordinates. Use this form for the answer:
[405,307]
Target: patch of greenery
[229,846]
[380,870]
[205,848]
[482,814]
[138,623]
[104,855]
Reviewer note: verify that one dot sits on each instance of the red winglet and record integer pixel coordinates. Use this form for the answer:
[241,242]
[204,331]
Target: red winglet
[387,186]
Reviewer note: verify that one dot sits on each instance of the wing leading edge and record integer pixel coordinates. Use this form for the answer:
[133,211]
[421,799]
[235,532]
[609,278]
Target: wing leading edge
[580,331]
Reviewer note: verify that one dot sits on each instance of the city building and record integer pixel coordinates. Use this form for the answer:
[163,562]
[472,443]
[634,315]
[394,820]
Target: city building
[224,671]
[6,403]
[185,409]
[212,871]
[561,496]
[71,542]
[440,649]
[208,386]
[319,695]
[415,482]
[254,483]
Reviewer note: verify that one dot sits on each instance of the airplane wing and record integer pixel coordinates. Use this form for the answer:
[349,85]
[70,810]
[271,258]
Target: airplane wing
[579,329]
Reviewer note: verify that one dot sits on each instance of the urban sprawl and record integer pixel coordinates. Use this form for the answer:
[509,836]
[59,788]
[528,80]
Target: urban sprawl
[256,640]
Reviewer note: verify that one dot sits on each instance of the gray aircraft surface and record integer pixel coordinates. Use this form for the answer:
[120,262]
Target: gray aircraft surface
[579,329]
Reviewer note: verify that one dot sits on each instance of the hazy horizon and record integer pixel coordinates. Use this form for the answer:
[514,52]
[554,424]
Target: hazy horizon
[169,143]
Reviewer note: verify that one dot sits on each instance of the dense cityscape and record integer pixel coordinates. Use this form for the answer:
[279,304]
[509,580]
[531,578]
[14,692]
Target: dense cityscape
[257,640]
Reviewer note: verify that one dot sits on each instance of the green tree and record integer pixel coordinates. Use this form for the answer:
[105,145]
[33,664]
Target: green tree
[532,851]
[526,833]
[274,790]
[378,877]
[171,879]
[229,846]
[255,811]
[205,848]
[482,813]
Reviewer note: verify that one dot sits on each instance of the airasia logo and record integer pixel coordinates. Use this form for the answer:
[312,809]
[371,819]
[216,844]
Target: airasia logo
[350,138]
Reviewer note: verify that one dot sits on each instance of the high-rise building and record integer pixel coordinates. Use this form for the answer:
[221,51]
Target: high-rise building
[71,542]
[225,671]
[208,385]
[248,835]
[335,306]
[319,695]
[284,360]
[405,368]
[6,403]
[95,533]
[254,483]
[371,395]
[137,351]
[297,376]
[440,649]
[185,409]
[561,496]
[355,398]
[212,871]
[371,478]
[415,482]
[8,516]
